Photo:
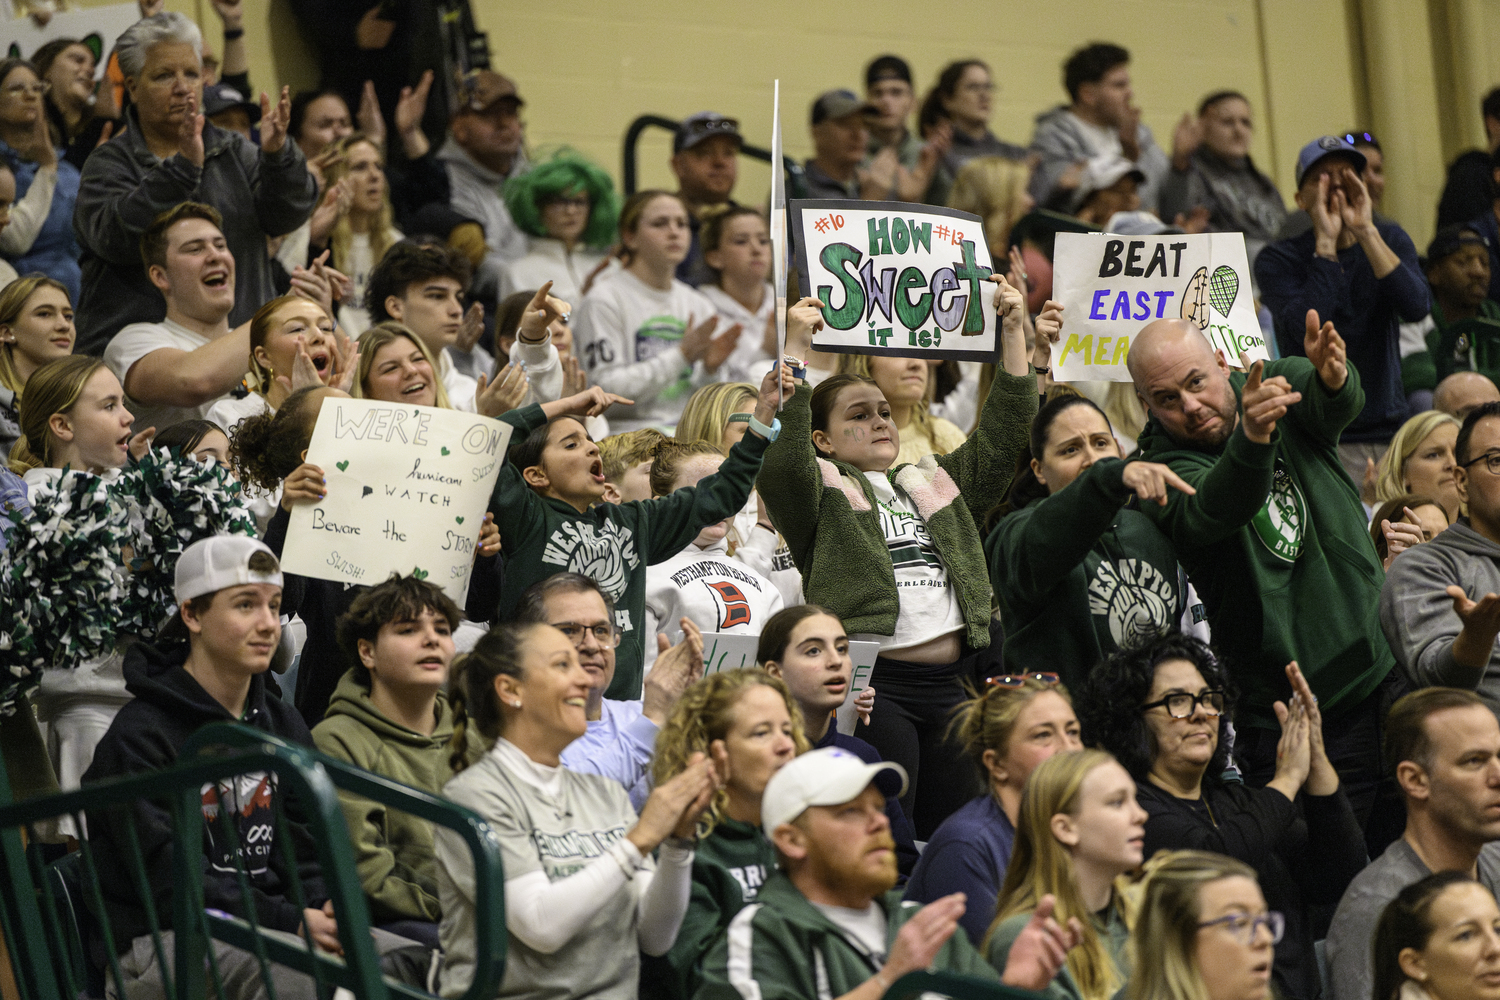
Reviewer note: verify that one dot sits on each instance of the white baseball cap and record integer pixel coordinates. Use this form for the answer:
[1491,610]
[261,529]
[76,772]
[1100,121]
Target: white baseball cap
[826,777]
[222,561]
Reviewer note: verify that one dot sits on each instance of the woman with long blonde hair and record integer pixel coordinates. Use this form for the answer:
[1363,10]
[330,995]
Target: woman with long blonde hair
[1202,931]
[993,188]
[396,367]
[36,326]
[364,231]
[1078,832]
[748,724]
[1420,459]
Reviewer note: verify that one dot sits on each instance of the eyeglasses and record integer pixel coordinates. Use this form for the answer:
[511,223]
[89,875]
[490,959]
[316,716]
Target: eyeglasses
[1017,680]
[580,203]
[604,635]
[1491,460]
[1243,927]
[19,89]
[1182,705]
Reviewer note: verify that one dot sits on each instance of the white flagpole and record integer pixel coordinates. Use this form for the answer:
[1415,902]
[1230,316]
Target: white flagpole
[778,225]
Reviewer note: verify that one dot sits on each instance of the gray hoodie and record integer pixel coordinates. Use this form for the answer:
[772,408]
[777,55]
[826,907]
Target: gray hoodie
[1417,613]
[479,193]
[1060,141]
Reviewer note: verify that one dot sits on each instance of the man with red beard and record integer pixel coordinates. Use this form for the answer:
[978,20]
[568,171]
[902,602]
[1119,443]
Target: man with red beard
[828,922]
[1275,541]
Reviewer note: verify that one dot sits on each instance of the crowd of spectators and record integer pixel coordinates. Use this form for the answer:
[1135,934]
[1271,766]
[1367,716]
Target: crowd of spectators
[1183,687]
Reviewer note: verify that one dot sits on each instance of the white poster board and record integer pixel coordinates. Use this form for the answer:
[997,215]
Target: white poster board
[21,35]
[778,231]
[863,654]
[1112,286]
[897,279]
[407,491]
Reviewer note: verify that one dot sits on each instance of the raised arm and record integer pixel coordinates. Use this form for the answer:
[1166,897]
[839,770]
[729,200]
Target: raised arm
[284,190]
[170,376]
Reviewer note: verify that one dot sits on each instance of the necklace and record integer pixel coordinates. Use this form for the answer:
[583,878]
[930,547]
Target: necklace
[1204,800]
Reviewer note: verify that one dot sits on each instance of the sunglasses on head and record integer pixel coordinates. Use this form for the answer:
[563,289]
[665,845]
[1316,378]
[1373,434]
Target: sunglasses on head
[1017,680]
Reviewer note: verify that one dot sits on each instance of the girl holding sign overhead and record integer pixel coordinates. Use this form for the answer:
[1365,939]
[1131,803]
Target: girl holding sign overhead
[1077,571]
[896,551]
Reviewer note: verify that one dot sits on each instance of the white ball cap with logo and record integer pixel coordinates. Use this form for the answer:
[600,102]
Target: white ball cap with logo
[211,564]
[827,777]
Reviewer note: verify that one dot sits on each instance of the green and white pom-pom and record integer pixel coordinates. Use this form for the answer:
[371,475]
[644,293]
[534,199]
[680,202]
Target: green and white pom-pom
[21,663]
[62,569]
[179,501]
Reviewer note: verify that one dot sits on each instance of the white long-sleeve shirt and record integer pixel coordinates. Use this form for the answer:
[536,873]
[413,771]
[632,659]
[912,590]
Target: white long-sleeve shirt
[628,336]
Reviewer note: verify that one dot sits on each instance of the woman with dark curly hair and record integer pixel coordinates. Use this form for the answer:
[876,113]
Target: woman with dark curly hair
[1163,709]
[569,208]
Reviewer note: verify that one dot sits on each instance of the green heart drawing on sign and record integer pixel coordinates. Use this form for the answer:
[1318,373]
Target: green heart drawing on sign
[343,466]
[460,520]
[1223,286]
[419,573]
[445,450]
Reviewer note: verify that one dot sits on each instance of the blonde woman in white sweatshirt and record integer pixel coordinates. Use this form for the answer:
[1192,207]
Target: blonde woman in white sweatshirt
[643,334]
[702,582]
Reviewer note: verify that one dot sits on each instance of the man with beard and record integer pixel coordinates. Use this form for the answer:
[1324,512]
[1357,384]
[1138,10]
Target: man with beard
[1275,538]
[827,923]
[1443,745]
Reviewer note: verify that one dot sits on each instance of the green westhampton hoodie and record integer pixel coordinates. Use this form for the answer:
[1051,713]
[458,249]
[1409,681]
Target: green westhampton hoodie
[1078,574]
[826,511]
[782,947]
[392,849]
[729,867]
[1276,544]
[611,543]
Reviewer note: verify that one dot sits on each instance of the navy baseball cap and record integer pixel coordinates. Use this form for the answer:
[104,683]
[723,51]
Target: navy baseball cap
[1450,239]
[705,125]
[1328,145]
[836,104]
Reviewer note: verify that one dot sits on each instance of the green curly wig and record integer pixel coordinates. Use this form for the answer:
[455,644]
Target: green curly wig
[565,172]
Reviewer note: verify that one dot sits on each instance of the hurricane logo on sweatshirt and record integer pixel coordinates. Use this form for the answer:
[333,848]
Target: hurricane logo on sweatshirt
[1134,598]
[656,336]
[602,553]
[1282,522]
[734,607]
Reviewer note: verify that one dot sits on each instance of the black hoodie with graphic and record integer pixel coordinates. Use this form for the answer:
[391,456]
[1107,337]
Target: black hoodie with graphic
[169,707]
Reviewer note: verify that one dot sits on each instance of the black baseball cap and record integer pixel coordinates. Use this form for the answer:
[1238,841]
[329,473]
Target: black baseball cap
[886,68]
[705,125]
[1450,239]
[220,97]
[837,104]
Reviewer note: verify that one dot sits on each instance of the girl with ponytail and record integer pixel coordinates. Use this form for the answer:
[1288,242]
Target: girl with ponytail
[581,911]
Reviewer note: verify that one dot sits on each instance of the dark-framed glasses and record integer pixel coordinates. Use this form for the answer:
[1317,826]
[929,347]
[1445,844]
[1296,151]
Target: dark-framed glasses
[1243,927]
[1491,460]
[1181,705]
[605,635]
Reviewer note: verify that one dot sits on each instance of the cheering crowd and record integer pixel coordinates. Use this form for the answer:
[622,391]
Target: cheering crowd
[1183,687]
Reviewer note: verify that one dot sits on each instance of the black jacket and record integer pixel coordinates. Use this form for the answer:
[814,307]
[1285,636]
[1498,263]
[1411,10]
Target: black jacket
[169,707]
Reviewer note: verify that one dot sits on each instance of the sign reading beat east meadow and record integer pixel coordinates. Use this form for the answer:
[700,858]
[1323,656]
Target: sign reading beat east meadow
[1112,286]
[897,279]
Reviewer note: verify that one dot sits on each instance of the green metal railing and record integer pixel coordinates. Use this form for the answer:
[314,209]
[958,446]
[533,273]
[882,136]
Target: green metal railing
[45,950]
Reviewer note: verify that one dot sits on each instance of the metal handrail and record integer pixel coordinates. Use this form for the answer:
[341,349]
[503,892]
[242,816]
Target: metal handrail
[796,176]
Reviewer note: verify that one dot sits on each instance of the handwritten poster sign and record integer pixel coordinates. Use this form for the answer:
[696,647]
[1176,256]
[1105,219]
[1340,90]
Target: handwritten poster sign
[897,279]
[863,654]
[407,491]
[1112,286]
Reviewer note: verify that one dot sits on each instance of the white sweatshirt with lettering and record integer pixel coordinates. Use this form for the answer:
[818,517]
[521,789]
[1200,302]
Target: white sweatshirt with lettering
[717,593]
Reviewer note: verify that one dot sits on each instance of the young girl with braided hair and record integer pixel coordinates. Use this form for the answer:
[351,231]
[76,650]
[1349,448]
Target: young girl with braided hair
[583,897]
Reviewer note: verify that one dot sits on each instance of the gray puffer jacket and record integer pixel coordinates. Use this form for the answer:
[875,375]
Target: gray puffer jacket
[125,186]
[1417,614]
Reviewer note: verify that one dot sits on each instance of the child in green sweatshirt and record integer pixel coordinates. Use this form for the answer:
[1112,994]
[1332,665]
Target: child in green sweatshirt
[1076,572]
[547,506]
[896,553]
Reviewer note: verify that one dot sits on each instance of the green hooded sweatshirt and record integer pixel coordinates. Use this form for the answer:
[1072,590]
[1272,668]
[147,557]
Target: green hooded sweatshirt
[782,947]
[610,543]
[826,511]
[1276,544]
[392,849]
[729,868]
[1078,575]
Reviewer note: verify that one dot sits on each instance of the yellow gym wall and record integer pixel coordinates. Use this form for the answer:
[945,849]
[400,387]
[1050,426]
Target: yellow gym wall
[1410,71]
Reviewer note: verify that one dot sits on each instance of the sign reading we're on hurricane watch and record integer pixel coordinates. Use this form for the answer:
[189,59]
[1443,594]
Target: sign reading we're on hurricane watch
[1112,286]
[897,279]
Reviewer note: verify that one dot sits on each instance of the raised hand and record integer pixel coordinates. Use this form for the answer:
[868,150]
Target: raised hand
[697,338]
[368,116]
[1322,779]
[1400,536]
[674,806]
[1327,219]
[1041,948]
[502,395]
[1048,331]
[231,12]
[274,122]
[778,380]
[190,133]
[923,936]
[1294,751]
[1264,402]
[803,319]
[1475,643]
[140,443]
[39,147]
[1130,132]
[574,378]
[471,330]
[345,361]
[1325,349]
[721,347]
[333,206]
[589,403]
[306,484]
[1150,481]
[373,32]
[1186,139]
[864,704]
[489,538]
[541,312]
[412,105]
[675,668]
[1357,210]
[304,372]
